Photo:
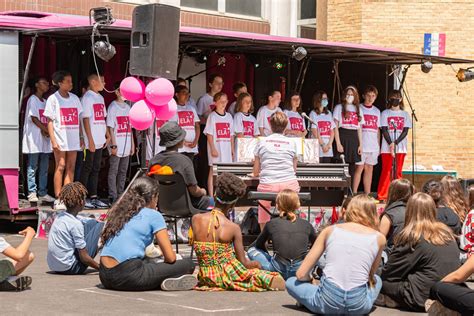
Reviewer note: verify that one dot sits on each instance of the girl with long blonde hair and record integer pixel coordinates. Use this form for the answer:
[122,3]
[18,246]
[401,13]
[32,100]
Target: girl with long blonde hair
[454,196]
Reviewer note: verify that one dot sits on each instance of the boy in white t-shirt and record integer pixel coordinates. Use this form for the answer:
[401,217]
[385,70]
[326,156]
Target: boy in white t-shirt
[182,82]
[36,144]
[96,138]
[186,117]
[122,145]
[63,110]
[370,140]
[204,108]
[237,88]
[266,111]
[220,136]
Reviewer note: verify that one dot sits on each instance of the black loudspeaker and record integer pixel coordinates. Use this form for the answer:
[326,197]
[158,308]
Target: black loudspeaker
[155,41]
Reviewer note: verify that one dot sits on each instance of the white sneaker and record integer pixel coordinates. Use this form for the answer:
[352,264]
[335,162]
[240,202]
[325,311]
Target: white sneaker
[47,198]
[32,197]
[59,206]
[183,283]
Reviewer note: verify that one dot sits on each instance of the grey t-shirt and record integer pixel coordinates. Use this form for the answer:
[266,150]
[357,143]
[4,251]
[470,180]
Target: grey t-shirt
[3,244]
[179,163]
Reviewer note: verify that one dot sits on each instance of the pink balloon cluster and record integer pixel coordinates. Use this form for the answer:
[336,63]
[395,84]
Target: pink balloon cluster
[153,101]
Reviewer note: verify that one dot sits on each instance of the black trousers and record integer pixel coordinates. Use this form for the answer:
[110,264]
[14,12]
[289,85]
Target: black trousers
[458,297]
[90,171]
[201,203]
[142,274]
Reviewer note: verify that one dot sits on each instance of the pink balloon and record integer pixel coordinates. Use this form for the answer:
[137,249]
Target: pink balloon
[132,89]
[160,91]
[166,111]
[141,116]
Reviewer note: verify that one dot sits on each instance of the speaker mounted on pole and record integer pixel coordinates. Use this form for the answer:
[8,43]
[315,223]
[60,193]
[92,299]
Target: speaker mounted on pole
[155,41]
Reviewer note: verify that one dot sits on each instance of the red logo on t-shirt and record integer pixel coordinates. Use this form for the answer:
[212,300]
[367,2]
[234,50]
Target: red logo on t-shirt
[399,122]
[123,125]
[352,118]
[186,118]
[223,130]
[370,122]
[99,112]
[324,128]
[248,128]
[69,116]
[268,118]
[43,119]
[296,124]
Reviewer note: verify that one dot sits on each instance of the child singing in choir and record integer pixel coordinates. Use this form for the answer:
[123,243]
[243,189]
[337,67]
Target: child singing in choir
[265,112]
[245,124]
[296,123]
[324,130]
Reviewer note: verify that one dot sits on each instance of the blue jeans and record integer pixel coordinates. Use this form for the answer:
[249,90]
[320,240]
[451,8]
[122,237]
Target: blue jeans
[328,298]
[32,167]
[286,268]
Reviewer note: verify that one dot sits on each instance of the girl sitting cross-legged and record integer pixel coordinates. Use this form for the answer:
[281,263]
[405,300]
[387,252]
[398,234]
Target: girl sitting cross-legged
[219,248]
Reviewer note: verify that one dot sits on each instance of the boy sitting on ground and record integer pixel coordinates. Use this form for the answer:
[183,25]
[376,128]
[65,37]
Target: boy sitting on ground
[72,243]
[21,257]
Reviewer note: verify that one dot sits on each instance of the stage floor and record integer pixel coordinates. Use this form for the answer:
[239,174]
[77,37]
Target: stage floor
[77,295]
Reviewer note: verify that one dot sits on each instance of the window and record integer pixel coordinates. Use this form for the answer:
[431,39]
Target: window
[201,4]
[307,9]
[307,19]
[244,7]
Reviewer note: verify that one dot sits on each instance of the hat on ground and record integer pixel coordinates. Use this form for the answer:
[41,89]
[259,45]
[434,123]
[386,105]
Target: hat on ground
[171,134]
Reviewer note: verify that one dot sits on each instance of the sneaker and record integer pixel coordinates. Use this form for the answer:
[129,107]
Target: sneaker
[99,204]
[59,206]
[89,205]
[435,308]
[16,283]
[47,198]
[32,197]
[183,283]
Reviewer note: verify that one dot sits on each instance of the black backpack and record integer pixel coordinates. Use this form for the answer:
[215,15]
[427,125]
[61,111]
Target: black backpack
[249,225]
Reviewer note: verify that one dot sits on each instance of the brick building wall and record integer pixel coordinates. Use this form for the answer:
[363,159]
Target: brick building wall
[124,11]
[445,131]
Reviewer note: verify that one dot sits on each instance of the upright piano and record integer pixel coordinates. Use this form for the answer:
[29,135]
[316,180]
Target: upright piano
[327,183]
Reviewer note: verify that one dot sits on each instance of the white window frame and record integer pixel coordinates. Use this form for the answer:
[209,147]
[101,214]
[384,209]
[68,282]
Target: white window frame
[221,11]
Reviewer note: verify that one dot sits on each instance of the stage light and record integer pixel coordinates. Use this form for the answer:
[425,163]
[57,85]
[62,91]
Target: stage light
[299,53]
[101,15]
[104,50]
[426,66]
[278,66]
[257,65]
[464,75]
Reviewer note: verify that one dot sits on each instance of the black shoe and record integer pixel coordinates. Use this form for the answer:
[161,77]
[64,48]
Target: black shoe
[16,283]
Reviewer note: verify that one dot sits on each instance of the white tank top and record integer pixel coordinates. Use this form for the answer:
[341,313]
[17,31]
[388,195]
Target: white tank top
[349,257]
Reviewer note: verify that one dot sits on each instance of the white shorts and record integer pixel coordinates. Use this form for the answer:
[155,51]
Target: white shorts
[369,159]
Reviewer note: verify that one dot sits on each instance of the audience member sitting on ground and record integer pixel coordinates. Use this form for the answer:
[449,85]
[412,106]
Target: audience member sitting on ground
[219,248]
[393,218]
[172,137]
[291,237]
[353,250]
[18,259]
[132,223]
[466,241]
[72,243]
[424,252]
[452,293]
[444,214]
[454,198]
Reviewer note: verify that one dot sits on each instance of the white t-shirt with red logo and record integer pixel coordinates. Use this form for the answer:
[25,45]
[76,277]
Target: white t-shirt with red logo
[221,127]
[149,140]
[325,125]
[401,119]
[370,128]
[33,141]
[351,119]
[204,104]
[65,112]
[117,119]
[263,119]
[295,121]
[93,106]
[277,153]
[186,117]
[246,124]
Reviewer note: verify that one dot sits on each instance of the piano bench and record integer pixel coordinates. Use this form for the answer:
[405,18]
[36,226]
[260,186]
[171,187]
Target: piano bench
[271,196]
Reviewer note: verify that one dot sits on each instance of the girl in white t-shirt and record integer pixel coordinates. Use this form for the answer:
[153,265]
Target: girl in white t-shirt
[395,123]
[370,140]
[36,144]
[220,136]
[245,124]
[324,130]
[296,124]
[265,112]
[348,133]
[63,110]
[122,144]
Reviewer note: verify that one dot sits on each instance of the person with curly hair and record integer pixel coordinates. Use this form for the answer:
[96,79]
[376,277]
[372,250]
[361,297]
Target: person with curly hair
[219,248]
[132,224]
[72,242]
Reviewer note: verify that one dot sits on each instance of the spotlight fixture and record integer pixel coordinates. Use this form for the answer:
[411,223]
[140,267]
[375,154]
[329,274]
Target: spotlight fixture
[104,50]
[426,66]
[464,75]
[278,65]
[299,53]
[101,15]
